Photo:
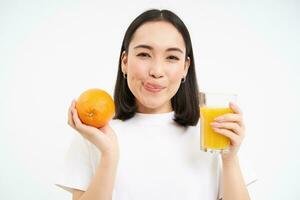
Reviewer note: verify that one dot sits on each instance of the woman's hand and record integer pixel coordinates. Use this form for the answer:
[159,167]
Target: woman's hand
[103,138]
[232,126]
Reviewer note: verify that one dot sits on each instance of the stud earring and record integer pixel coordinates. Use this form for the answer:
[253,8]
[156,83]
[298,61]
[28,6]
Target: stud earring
[183,80]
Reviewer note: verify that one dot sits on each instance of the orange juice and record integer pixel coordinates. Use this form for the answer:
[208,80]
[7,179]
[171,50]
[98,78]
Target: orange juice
[209,138]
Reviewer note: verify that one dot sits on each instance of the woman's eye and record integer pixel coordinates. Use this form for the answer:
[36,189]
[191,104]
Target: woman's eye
[143,55]
[173,58]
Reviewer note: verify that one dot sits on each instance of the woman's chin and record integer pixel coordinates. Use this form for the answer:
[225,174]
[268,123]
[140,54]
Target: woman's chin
[155,106]
[150,102]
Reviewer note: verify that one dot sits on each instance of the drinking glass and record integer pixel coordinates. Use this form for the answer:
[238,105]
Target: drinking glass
[211,106]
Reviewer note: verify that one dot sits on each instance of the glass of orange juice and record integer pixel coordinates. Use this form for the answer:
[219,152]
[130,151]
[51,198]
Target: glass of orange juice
[211,106]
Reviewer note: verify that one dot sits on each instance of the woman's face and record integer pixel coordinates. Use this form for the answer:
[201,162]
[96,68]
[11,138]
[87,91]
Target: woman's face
[155,65]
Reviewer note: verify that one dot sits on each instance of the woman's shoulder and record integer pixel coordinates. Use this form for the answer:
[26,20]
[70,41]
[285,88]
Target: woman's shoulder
[122,126]
[116,123]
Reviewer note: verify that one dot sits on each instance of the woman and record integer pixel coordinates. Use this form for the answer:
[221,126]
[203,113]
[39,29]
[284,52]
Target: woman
[151,148]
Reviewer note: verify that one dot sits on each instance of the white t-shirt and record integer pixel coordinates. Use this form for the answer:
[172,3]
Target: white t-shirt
[158,160]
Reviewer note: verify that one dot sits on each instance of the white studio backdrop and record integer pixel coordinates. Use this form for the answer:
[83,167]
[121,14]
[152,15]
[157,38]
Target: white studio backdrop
[51,52]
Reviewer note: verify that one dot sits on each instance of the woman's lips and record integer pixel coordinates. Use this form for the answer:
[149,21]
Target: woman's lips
[151,87]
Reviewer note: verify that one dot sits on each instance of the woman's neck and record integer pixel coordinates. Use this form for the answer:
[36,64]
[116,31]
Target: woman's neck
[161,109]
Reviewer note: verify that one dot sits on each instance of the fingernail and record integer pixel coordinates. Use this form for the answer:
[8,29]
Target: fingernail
[215,124]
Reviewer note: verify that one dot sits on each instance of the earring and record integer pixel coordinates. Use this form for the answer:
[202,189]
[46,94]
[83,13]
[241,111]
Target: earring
[183,80]
[125,76]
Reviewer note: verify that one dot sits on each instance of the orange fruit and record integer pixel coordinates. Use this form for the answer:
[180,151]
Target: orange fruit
[95,107]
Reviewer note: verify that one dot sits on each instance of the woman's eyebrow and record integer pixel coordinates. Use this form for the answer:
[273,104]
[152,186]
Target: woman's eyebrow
[151,48]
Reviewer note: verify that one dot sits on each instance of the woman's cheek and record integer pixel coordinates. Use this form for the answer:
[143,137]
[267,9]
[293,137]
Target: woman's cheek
[138,74]
[174,82]
[175,75]
[138,67]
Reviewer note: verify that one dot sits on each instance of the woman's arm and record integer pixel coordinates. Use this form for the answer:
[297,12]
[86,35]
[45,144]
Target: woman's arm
[232,126]
[102,184]
[105,139]
[234,187]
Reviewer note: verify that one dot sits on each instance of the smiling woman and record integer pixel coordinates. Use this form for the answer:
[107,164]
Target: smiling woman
[157,59]
[151,149]
[155,64]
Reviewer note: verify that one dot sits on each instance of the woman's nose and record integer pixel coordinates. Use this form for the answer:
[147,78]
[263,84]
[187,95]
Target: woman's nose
[156,70]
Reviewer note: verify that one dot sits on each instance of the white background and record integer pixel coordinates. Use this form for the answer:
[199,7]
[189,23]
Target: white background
[51,52]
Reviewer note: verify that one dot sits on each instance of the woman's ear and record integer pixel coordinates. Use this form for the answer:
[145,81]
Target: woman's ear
[124,59]
[186,66]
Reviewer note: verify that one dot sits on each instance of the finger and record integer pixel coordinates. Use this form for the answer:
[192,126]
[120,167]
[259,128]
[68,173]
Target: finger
[70,117]
[73,103]
[77,122]
[235,108]
[231,117]
[235,127]
[234,138]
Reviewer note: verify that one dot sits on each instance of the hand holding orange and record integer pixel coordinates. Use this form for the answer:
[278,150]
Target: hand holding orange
[95,107]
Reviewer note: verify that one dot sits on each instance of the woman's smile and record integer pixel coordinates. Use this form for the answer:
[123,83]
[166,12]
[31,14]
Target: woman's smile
[152,87]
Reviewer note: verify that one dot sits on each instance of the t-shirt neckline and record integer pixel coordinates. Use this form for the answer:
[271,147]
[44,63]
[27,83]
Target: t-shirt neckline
[155,116]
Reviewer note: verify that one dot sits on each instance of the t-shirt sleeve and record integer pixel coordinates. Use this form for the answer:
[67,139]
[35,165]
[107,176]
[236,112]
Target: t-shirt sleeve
[76,171]
[248,173]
